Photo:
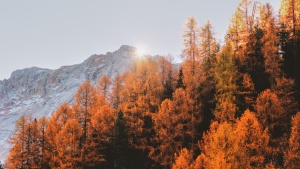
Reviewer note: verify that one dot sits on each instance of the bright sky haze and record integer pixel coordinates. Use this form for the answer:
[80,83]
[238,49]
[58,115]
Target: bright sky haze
[50,34]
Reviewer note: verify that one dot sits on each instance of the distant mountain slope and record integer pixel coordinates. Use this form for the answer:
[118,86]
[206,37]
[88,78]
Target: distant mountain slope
[38,92]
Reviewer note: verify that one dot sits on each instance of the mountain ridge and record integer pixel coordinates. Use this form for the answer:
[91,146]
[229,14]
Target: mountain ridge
[39,91]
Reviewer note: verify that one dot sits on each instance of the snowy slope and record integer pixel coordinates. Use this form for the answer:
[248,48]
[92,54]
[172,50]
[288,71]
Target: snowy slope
[38,92]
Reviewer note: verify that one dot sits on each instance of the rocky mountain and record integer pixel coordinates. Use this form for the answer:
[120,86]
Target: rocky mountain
[38,92]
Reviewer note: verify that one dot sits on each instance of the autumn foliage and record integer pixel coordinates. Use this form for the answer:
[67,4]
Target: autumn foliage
[226,106]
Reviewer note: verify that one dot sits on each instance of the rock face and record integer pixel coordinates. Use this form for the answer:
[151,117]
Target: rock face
[38,92]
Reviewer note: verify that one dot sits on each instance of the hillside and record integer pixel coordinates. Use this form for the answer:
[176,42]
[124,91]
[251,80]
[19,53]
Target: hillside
[38,92]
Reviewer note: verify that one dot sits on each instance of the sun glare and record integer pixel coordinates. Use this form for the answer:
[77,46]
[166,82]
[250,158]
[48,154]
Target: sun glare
[140,51]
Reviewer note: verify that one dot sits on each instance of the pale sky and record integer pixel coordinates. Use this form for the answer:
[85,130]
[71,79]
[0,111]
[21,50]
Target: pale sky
[50,34]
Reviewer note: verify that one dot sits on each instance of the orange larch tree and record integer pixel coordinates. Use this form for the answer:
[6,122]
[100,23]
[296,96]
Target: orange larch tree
[116,90]
[252,141]
[58,119]
[174,127]
[192,57]
[34,158]
[236,32]
[199,48]
[270,43]
[166,75]
[104,87]
[184,160]
[209,49]
[234,145]
[42,125]
[293,153]
[86,104]
[219,147]
[273,117]
[247,93]
[25,151]
[270,112]
[164,152]
[141,98]
[200,162]
[100,137]
[68,145]
[191,40]
[208,45]
[16,157]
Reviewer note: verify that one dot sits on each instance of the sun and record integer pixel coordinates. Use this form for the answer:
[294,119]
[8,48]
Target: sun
[140,51]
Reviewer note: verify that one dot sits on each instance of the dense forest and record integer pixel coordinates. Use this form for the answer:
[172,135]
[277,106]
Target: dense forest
[227,106]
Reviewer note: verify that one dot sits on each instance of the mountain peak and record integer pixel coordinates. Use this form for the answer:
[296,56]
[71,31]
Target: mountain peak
[127,48]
